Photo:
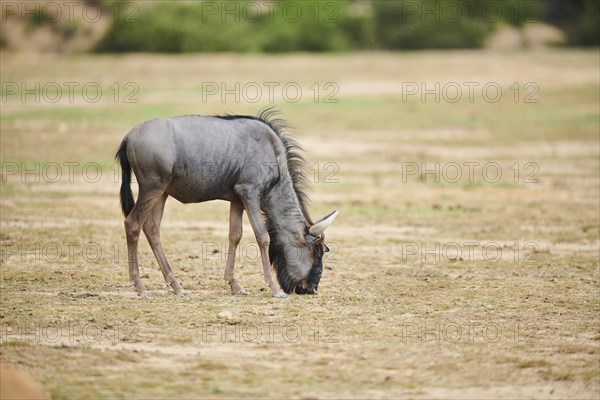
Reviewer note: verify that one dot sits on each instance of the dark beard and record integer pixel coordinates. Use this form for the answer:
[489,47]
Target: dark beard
[315,274]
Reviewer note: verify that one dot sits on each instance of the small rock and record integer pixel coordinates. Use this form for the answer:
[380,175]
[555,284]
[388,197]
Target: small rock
[228,317]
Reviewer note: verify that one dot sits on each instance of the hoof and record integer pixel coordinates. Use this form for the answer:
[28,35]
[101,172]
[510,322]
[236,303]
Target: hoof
[280,295]
[242,292]
[145,293]
[182,293]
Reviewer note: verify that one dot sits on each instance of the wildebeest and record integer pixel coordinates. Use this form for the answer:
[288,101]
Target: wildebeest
[246,160]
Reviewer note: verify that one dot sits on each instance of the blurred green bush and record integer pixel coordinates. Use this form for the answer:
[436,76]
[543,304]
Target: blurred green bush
[440,24]
[239,26]
[585,30]
[320,26]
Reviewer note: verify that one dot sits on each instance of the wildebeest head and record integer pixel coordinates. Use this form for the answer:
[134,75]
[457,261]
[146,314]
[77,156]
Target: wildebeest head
[300,265]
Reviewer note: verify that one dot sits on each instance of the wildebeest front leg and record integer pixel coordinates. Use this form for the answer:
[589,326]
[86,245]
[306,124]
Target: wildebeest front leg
[252,205]
[236,212]
[152,232]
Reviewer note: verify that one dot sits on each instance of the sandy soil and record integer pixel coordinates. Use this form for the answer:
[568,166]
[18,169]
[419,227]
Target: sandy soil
[435,287]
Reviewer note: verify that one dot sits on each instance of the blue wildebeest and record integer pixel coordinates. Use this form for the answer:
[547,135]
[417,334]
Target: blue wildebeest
[246,160]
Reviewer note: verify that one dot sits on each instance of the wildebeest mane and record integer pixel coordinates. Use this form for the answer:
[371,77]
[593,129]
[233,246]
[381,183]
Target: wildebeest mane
[296,163]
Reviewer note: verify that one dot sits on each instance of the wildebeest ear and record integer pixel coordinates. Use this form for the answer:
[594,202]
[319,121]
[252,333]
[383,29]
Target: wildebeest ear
[325,248]
[310,238]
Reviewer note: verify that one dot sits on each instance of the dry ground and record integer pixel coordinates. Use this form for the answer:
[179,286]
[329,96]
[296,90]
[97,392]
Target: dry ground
[437,286]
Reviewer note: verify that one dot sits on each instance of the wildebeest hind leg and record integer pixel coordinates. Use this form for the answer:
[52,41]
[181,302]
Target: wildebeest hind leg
[133,224]
[152,231]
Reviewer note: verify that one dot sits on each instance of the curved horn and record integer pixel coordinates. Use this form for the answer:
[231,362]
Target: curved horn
[319,227]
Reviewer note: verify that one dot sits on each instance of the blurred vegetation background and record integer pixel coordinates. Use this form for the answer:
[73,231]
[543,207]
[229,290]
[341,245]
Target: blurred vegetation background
[289,25]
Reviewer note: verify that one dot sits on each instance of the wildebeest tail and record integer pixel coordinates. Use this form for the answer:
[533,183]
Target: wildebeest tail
[127,201]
